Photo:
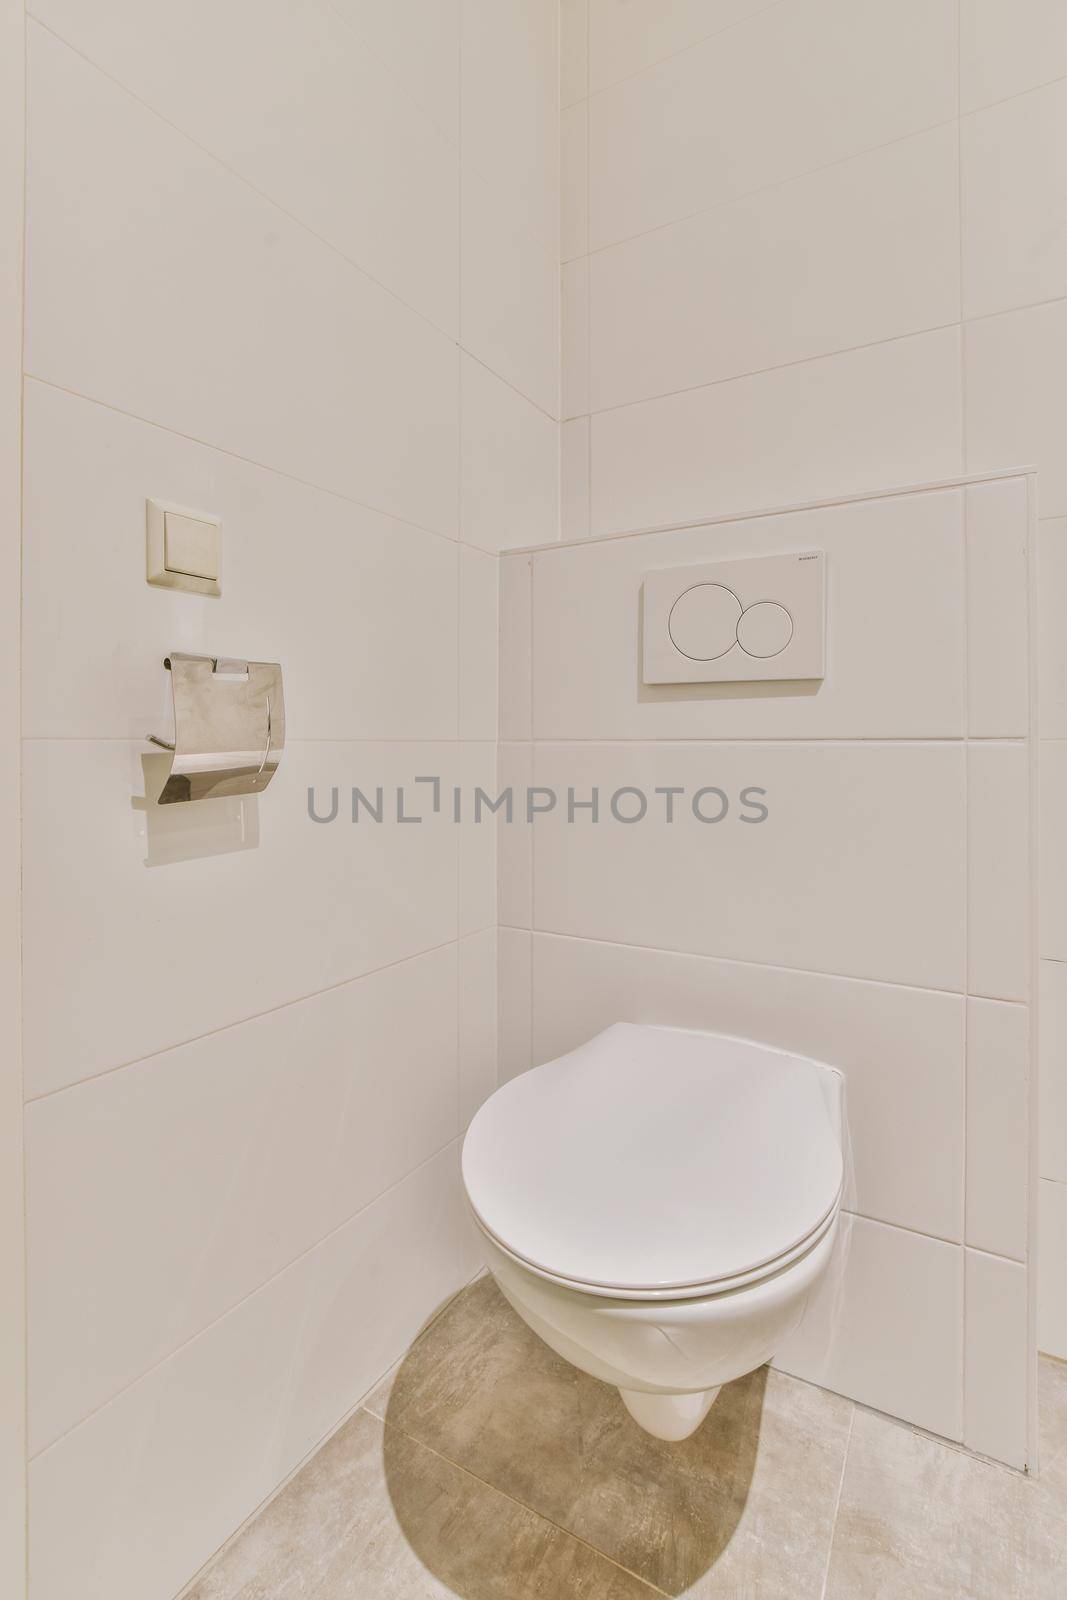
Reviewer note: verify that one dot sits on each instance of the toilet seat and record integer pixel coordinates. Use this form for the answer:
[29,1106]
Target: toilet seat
[658,1163]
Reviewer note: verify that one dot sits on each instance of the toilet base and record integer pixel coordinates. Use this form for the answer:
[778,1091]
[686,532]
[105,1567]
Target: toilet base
[669,1416]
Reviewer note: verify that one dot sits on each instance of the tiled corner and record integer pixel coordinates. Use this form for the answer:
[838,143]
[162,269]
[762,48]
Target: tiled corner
[479,644]
[513,1003]
[1051,634]
[1052,840]
[999,896]
[575,336]
[885,1326]
[515,837]
[1052,1098]
[1015,367]
[998,655]
[515,665]
[510,473]
[998,1127]
[575,488]
[477,1021]
[997,1355]
[1051,1278]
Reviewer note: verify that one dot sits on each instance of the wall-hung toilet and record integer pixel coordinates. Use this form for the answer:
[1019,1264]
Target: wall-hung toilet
[658,1205]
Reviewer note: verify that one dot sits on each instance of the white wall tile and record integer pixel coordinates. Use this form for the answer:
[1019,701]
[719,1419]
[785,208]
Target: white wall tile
[1052,1097]
[1052,635]
[575,337]
[885,1326]
[998,1127]
[136,952]
[128,1258]
[573,51]
[510,293]
[850,828]
[515,647]
[308,579]
[515,838]
[587,643]
[513,1001]
[1052,843]
[574,182]
[901,1051]
[477,1021]
[575,509]
[214,1429]
[290,99]
[1051,1278]
[998,601]
[510,105]
[1005,50]
[1015,369]
[793,88]
[865,250]
[842,425]
[153,275]
[419,42]
[479,645]
[996,1358]
[1013,172]
[626,36]
[477,838]
[510,477]
[998,888]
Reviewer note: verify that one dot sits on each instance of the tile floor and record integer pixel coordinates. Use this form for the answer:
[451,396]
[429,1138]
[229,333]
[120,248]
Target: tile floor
[487,1468]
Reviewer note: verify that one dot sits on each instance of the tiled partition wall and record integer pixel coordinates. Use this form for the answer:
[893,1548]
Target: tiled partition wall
[813,248]
[278,270]
[879,918]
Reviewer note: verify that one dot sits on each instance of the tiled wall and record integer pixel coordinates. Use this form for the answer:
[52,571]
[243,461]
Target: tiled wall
[280,269]
[879,919]
[12,1229]
[814,248]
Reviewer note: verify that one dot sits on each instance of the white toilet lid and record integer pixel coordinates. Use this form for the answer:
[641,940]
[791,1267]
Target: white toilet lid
[654,1158]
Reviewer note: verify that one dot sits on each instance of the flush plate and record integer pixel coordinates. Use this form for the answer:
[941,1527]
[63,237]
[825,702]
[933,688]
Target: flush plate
[183,548]
[756,620]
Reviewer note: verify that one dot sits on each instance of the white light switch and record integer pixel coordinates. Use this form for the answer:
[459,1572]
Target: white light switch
[736,621]
[183,549]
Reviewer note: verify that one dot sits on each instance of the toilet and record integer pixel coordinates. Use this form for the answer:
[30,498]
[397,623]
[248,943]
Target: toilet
[658,1206]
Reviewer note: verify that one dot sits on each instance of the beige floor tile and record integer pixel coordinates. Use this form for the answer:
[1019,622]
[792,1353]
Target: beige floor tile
[921,1521]
[745,1507]
[377,1516]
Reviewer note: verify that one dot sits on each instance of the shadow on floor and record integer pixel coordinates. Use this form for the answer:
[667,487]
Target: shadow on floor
[483,1392]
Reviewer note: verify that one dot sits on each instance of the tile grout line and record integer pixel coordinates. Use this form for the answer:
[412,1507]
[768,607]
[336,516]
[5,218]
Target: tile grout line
[823,502]
[549,1522]
[673,55]
[967,795]
[775,183]
[153,111]
[305,1460]
[240,1022]
[837,1502]
[251,1294]
[770,966]
[957,118]
[248,461]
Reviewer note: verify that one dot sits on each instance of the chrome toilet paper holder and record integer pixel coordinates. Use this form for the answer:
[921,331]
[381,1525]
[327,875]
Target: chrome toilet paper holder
[229,727]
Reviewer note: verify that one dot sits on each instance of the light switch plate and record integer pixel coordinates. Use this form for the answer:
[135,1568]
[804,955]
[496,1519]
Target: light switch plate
[756,620]
[183,548]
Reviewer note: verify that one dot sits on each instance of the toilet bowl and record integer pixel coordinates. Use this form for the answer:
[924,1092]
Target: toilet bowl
[658,1205]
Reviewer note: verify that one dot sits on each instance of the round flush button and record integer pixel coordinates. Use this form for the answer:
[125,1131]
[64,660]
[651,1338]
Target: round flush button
[703,621]
[764,629]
